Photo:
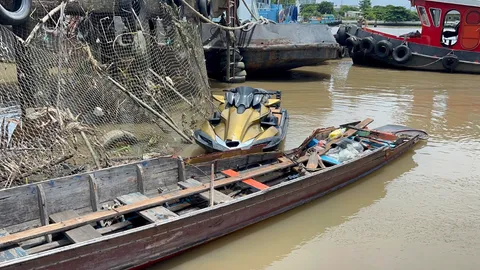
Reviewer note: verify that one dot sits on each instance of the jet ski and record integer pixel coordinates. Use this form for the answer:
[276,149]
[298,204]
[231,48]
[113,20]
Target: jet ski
[246,117]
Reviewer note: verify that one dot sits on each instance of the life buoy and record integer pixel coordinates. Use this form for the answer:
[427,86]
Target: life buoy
[341,35]
[450,62]
[18,15]
[367,45]
[401,54]
[383,48]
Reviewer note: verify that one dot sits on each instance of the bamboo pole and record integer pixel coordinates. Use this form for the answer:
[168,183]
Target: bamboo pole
[146,106]
[171,87]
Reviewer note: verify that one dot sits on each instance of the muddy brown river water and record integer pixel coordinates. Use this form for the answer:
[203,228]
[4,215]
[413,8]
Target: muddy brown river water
[420,212]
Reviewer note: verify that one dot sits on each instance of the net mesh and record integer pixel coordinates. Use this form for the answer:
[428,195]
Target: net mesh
[97,85]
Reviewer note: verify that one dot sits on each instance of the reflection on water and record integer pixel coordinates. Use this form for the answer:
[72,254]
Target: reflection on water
[420,212]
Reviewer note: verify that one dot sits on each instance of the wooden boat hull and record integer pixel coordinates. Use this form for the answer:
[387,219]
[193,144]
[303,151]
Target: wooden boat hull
[271,47]
[423,57]
[138,246]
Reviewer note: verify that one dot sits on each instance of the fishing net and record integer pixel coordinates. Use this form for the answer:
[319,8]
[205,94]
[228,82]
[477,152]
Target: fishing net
[100,83]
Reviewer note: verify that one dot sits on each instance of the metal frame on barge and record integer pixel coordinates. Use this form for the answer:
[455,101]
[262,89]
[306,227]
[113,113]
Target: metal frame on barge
[155,220]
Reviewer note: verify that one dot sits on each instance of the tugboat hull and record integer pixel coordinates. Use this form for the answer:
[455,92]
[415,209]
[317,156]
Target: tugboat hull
[364,49]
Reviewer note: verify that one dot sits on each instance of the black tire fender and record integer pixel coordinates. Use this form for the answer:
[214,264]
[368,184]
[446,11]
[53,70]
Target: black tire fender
[341,35]
[351,42]
[450,62]
[19,14]
[383,48]
[367,45]
[401,54]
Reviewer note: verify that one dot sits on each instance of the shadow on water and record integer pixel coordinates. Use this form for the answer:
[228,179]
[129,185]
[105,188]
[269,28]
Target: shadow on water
[292,229]
[290,76]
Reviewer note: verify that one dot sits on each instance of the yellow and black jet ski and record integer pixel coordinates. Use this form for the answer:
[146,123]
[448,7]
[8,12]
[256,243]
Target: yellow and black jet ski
[247,117]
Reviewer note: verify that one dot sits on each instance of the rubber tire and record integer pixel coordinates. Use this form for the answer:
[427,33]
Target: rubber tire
[341,35]
[242,73]
[450,62]
[400,57]
[383,48]
[367,45]
[240,65]
[351,42]
[115,137]
[236,79]
[21,12]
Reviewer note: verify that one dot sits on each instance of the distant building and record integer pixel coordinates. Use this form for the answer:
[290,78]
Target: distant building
[353,14]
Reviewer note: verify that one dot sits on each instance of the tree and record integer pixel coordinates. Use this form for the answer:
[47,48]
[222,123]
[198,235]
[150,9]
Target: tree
[325,7]
[344,9]
[308,10]
[365,5]
[315,10]
[397,14]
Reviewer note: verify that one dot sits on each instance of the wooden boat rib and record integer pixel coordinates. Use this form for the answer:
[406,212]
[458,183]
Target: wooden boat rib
[131,215]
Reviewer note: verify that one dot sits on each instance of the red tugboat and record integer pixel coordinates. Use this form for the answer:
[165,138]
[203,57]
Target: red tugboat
[449,40]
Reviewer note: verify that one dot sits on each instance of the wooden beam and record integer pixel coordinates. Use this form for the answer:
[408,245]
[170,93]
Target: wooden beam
[251,182]
[217,198]
[52,245]
[181,169]
[79,234]
[42,207]
[153,214]
[114,227]
[11,253]
[93,193]
[141,187]
[159,200]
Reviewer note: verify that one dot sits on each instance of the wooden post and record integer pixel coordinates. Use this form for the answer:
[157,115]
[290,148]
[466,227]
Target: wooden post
[42,207]
[140,184]
[181,169]
[212,185]
[93,193]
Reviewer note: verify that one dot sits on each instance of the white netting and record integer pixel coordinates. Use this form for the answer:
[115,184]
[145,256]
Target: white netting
[88,89]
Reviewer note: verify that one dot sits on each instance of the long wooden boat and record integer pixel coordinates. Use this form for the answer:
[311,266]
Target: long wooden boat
[449,40]
[133,215]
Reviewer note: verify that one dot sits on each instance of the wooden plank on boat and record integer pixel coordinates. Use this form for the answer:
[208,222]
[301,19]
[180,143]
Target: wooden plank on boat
[43,210]
[251,182]
[218,197]
[114,227]
[84,233]
[12,252]
[312,163]
[152,214]
[25,202]
[48,246]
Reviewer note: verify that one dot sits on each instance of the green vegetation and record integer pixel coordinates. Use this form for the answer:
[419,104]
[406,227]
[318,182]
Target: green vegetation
[365,5]
[310,10]
[388,13]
